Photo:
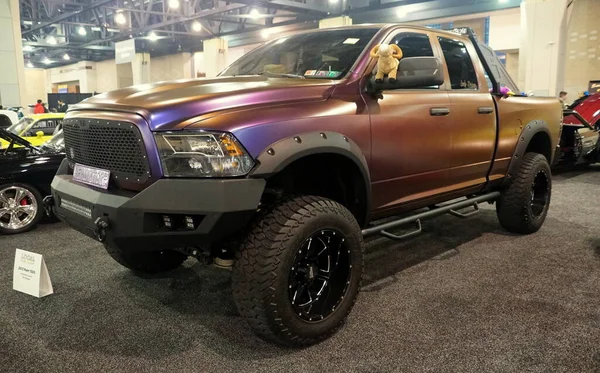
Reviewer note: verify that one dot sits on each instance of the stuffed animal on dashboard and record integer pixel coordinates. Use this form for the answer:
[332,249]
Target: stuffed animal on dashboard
[388,55]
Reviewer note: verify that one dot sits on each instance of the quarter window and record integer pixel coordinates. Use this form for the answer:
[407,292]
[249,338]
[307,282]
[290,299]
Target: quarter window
[460,66]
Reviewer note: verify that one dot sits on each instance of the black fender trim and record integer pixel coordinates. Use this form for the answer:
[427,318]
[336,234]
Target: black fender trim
[527,133]
[284,152]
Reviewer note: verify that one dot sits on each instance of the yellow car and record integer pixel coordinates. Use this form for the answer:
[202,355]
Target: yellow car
[36,128]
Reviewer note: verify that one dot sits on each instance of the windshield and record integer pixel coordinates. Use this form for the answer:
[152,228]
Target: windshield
[319,55]
[56,143]
[20,126]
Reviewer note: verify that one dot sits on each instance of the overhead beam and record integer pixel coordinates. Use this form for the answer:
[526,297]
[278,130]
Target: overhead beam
[66,16]
[201,14]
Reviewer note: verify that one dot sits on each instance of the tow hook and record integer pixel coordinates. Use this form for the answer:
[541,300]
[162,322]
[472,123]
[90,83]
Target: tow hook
[48,203]
[101,227]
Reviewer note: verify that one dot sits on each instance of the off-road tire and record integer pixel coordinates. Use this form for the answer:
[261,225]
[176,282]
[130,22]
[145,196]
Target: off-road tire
[264,260]
[39,213]
[514,207]
[147,261]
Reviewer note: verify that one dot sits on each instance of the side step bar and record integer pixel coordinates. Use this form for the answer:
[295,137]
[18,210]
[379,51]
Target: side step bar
[416,219]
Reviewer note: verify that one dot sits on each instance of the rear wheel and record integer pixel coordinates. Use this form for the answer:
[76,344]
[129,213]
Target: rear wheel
[297,273]
[20,208]
[147,261]
[523,206]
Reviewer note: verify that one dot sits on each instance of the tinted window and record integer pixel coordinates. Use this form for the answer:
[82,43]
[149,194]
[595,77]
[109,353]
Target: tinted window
[460,66]
[413,45]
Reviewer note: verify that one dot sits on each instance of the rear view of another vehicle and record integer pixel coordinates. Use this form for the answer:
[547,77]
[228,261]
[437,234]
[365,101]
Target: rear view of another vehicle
[580,139]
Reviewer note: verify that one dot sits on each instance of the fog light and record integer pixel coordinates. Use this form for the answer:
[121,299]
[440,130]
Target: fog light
[189,222]
[167,221]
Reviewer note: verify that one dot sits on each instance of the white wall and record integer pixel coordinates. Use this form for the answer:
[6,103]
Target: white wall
[175,66]
[82,72]
[505,29]
[106,76]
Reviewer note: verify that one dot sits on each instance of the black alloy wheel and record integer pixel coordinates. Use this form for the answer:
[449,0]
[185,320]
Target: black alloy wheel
[320,275]
[540,194]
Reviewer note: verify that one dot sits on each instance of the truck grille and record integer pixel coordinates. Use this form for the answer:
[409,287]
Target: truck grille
[111,145]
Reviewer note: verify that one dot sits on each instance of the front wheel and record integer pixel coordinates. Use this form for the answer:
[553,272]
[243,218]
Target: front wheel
[297,274]
[523,206]
[20,208]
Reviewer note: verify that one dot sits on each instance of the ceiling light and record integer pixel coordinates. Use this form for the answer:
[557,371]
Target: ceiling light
[29,65]
[120,18]
[173,4]
[47,61]
[28,48]
[503,1]
[333,1]
[265,33]
[81,31]
[66,57]
[152,36]
[51,40]
[401,13]
[254,13]
[196,26]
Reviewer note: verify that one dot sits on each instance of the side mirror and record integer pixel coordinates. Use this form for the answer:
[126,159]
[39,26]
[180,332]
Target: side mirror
[39,134]
[413,72]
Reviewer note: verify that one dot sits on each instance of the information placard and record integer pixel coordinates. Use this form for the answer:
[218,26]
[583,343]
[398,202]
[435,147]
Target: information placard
[30,274]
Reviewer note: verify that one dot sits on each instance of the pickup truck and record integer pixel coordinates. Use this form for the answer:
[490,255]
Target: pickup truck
[282,164]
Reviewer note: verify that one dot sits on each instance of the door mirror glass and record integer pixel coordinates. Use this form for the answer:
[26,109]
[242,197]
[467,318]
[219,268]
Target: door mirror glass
[413,73]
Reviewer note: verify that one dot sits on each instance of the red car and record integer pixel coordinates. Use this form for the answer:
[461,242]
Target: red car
[580,140]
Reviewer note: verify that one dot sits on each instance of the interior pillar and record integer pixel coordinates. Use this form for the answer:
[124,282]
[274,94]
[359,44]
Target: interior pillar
[140,67]
[12,66]
[215,56]
[543,46]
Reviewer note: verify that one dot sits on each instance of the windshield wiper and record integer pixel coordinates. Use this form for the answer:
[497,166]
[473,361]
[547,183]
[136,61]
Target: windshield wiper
[279,75]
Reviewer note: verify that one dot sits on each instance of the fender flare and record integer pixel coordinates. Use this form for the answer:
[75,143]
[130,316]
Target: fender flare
[527,133]
[284,152]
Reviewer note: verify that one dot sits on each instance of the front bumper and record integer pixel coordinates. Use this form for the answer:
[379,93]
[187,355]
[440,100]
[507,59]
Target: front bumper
[135,221]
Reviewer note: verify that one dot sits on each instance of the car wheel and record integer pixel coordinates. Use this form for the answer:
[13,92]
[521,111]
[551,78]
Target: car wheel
[147,261]
[20,208]
[523,206]
[297,273]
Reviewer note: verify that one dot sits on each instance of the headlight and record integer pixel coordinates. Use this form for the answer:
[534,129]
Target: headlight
[206,154]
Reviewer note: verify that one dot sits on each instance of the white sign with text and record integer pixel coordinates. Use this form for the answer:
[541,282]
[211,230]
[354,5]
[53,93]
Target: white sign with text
[30,274]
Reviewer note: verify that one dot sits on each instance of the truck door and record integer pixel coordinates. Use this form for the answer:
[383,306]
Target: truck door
[411,142]
[473,119]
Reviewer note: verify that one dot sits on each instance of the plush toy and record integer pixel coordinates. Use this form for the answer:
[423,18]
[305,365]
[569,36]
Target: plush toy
[388,55]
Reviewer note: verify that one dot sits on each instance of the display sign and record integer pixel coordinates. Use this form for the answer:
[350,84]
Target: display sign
[125,51]
[30,275]
[594,87]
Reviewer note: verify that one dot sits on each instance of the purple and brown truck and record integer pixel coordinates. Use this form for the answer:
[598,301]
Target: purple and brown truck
[283,163]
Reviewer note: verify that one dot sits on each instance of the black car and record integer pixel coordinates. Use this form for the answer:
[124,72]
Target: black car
[26,172]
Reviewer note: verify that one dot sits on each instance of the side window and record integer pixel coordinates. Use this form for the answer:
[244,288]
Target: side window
[460,66]
[413,44]
[46,126]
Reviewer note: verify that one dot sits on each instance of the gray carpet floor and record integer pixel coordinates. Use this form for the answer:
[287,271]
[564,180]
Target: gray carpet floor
[463,297]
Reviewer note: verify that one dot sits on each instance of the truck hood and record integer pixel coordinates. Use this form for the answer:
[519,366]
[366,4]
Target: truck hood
[177,104]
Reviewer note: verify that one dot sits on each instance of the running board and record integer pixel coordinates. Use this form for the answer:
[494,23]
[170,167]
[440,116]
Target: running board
[452,208]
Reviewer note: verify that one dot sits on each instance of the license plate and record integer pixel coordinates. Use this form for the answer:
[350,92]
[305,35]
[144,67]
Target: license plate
[92,176]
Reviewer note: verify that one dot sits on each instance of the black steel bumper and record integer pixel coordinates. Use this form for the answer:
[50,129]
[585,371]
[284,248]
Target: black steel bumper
[217,209]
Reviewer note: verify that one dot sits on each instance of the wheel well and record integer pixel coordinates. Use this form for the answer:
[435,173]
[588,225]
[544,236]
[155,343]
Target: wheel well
[331,176]
[540,143]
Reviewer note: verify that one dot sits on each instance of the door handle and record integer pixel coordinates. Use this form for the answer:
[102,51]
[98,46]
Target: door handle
[485,110]
[439,111]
